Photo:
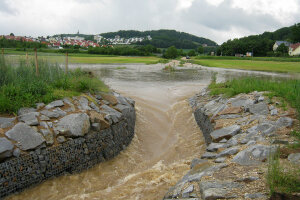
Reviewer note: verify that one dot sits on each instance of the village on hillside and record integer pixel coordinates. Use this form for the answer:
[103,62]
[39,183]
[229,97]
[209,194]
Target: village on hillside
[59,41]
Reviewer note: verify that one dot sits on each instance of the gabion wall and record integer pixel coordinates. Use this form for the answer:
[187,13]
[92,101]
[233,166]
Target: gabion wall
[72,156]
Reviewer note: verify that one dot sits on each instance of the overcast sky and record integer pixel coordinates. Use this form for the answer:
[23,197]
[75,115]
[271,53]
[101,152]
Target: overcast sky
[218,20]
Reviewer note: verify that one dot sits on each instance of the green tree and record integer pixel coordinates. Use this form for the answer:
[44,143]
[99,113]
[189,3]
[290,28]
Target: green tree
[200,50]
[282,49]
[296,33]
[192,53]
[171,52]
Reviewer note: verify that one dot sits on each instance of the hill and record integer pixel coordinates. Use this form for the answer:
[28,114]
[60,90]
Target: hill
[261,45]
[164,38]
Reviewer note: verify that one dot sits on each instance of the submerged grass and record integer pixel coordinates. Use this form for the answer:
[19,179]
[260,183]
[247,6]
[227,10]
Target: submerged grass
[169,68]
[21,87]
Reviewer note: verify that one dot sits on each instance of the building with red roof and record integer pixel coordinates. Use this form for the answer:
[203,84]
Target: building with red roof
[294,49]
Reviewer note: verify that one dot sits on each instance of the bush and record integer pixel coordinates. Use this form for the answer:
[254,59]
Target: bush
[171,53]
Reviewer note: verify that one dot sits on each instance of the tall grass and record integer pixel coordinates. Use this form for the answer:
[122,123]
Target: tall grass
[21,87]
[287,89]
[282,179]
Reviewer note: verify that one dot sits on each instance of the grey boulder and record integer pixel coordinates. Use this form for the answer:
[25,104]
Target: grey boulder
[284,122]
[50,114]
[264,128]
[84,103]
[29,118]
[197,161]
[186,192]
[26,137]
[23,111]
[274,112]
[111,114]
[254,196]
[6,148]
[74,125]
[209,155]
[48,136]
[211,190]
[226,133]
[253,155]
[294,158]
[259,109]
[6,122]
[213,147]
[228,152]
[241,102]
[58,103]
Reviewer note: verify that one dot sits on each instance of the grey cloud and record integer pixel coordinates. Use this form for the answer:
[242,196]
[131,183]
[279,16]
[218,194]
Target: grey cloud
[98,16]
[5,7]
[225,17]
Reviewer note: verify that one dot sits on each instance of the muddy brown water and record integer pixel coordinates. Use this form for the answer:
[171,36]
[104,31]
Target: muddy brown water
[166,137]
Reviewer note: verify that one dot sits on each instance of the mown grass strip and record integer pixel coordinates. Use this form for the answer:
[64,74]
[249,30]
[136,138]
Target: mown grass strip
[277,59]
[271,66]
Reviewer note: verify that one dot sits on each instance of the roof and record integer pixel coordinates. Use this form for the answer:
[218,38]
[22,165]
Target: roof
[282,42]
[295,46]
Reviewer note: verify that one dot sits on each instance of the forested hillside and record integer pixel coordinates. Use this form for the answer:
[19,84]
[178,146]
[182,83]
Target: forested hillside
[164,38]
[261,45]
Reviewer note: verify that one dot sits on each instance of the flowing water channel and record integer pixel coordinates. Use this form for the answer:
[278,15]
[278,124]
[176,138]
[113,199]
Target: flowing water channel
[166,136]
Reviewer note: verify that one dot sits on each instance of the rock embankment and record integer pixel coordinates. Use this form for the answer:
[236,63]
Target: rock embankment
[64,136]
[240,134]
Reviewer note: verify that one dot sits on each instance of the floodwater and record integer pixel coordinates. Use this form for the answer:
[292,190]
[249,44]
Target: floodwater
[166,136]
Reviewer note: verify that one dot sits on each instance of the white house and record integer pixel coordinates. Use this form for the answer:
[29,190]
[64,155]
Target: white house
[278,43]
[294,49]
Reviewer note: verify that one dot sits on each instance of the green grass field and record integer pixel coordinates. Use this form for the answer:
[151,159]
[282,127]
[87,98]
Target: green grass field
[271,66]
[279,59]
[84,57]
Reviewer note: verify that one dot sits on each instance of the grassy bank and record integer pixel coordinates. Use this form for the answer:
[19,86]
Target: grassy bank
[282,178]
[21,87]
[289,90]
[271,66]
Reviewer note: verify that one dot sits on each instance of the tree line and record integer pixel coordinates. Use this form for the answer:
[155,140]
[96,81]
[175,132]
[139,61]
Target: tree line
[261,45]
[125,50]
[5,43]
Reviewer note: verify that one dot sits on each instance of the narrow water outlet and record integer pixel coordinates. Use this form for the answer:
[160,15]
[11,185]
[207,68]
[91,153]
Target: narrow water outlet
[166,138]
